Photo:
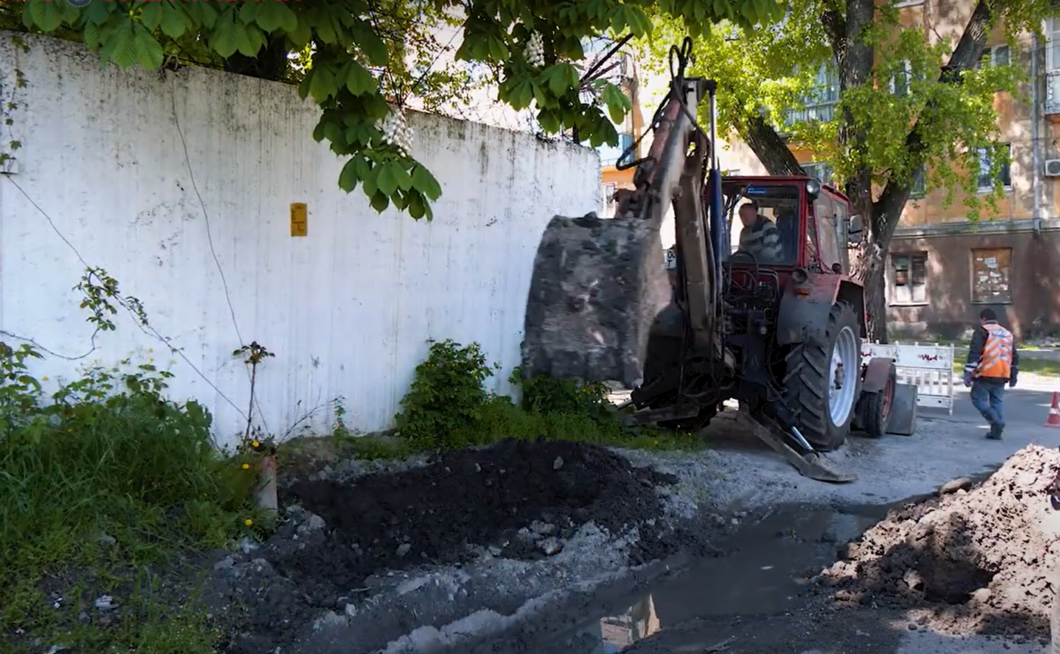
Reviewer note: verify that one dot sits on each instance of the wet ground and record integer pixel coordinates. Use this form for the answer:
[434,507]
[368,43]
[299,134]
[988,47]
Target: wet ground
[759,598]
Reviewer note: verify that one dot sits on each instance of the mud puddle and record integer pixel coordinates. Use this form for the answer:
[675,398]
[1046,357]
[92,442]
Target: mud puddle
[761,576]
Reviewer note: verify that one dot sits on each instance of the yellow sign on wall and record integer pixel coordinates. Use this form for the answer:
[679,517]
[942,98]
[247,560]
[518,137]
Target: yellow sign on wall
[299,219]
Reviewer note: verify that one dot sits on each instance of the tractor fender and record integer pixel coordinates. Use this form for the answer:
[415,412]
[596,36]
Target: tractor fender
[804,308]
[877,372]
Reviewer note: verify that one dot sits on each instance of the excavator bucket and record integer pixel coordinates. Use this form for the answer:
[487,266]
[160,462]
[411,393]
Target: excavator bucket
[597,285]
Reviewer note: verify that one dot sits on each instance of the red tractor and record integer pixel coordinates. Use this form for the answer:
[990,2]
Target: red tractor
[783,336]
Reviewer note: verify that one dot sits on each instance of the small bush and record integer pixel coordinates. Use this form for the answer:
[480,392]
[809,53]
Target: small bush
[443,406]
[106,465]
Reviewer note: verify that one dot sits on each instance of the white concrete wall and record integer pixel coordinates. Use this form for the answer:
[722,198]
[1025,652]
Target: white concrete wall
[346,310]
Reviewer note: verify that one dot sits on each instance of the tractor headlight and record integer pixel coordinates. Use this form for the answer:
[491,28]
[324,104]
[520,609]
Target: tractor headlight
[813,188]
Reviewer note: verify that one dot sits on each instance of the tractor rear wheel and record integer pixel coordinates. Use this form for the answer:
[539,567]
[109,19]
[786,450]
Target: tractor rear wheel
[822,380]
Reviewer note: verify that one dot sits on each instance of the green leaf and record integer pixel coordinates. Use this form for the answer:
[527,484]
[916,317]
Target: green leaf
[370,44]
[548,120]
[402,177]
[119,45]
[48,16]
[498,51]
[386,180]
[358,80]
[248,12]
[149,53]
[380,202]
[323,84]
[151,15]
[173,21]
[424,182]
[417,205]
[561,77]
[350,176]
[400,200]
[98,12]
[274,16]
[250,40]
[224,39]
[618,103]
[300,35]
[370,181]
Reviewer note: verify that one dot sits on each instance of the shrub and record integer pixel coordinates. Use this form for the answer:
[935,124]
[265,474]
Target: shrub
[442,408]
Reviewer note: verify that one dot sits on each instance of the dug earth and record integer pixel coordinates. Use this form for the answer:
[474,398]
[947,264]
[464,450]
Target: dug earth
[430,552]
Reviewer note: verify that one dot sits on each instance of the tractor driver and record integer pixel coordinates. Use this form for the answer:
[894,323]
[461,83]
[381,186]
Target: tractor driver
[759,236]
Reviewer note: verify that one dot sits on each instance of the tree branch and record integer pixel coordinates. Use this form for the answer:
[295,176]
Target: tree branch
[770,148]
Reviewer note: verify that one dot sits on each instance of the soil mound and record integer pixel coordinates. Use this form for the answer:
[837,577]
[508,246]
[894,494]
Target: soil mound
[520,498]
[975,558]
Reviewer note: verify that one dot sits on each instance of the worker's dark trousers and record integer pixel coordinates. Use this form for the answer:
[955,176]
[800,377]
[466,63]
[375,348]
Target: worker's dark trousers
[986,396]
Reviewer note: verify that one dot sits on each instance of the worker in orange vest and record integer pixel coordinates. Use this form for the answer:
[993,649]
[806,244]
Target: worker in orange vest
[992,362]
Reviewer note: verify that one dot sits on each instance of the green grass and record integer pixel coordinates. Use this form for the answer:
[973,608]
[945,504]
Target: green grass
[1042,367]
[98,487]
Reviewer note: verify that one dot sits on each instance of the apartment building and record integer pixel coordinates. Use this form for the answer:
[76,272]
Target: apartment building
[942,269]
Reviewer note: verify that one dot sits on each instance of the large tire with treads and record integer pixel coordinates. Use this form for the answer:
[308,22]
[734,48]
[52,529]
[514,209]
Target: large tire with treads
[821,397]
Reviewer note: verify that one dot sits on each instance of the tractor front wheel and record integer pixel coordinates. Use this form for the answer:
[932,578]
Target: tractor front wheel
[822,380]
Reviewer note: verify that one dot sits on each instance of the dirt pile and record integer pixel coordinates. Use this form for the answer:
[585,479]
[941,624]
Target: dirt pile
[514,500]
[973,559]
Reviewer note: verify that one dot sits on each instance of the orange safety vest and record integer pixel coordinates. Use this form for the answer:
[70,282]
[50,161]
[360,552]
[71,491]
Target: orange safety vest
[996,360]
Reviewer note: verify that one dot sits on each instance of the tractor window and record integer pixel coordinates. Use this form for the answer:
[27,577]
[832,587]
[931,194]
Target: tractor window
[842,233]
[827,232]
[776,203]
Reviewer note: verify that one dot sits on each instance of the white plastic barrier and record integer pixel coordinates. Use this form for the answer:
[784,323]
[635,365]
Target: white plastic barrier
[929,367]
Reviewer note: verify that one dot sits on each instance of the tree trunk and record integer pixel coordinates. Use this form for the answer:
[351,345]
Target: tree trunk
[770,148]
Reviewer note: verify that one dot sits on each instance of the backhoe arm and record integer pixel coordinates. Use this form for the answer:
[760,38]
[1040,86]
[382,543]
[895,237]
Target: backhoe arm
[598,283]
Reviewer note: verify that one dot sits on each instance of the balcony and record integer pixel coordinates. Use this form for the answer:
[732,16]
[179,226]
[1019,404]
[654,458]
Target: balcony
[820,112]
[609,155]
[1052,94]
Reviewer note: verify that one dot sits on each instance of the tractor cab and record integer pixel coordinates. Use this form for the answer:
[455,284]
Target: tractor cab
[813,222]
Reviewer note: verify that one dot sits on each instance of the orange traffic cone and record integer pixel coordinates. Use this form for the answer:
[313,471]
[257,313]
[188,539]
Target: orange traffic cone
[1054,412]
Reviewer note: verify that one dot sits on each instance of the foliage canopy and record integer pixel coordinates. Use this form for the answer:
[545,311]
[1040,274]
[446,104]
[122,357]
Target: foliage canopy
[776,73]
[357,58]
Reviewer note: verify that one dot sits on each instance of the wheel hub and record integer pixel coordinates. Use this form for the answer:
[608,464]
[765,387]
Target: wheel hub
[843,372]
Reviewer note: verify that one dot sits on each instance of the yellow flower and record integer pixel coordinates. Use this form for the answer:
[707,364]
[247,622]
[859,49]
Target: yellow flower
[655,442]
[255,444]
[248,522]
[44,378]
[246,466]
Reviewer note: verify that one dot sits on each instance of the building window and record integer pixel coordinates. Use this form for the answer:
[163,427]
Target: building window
[919,188]
[820,102]
[819,170]
[909,272]
[1004,175]
[998,55]
[990,276]
[902,79]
